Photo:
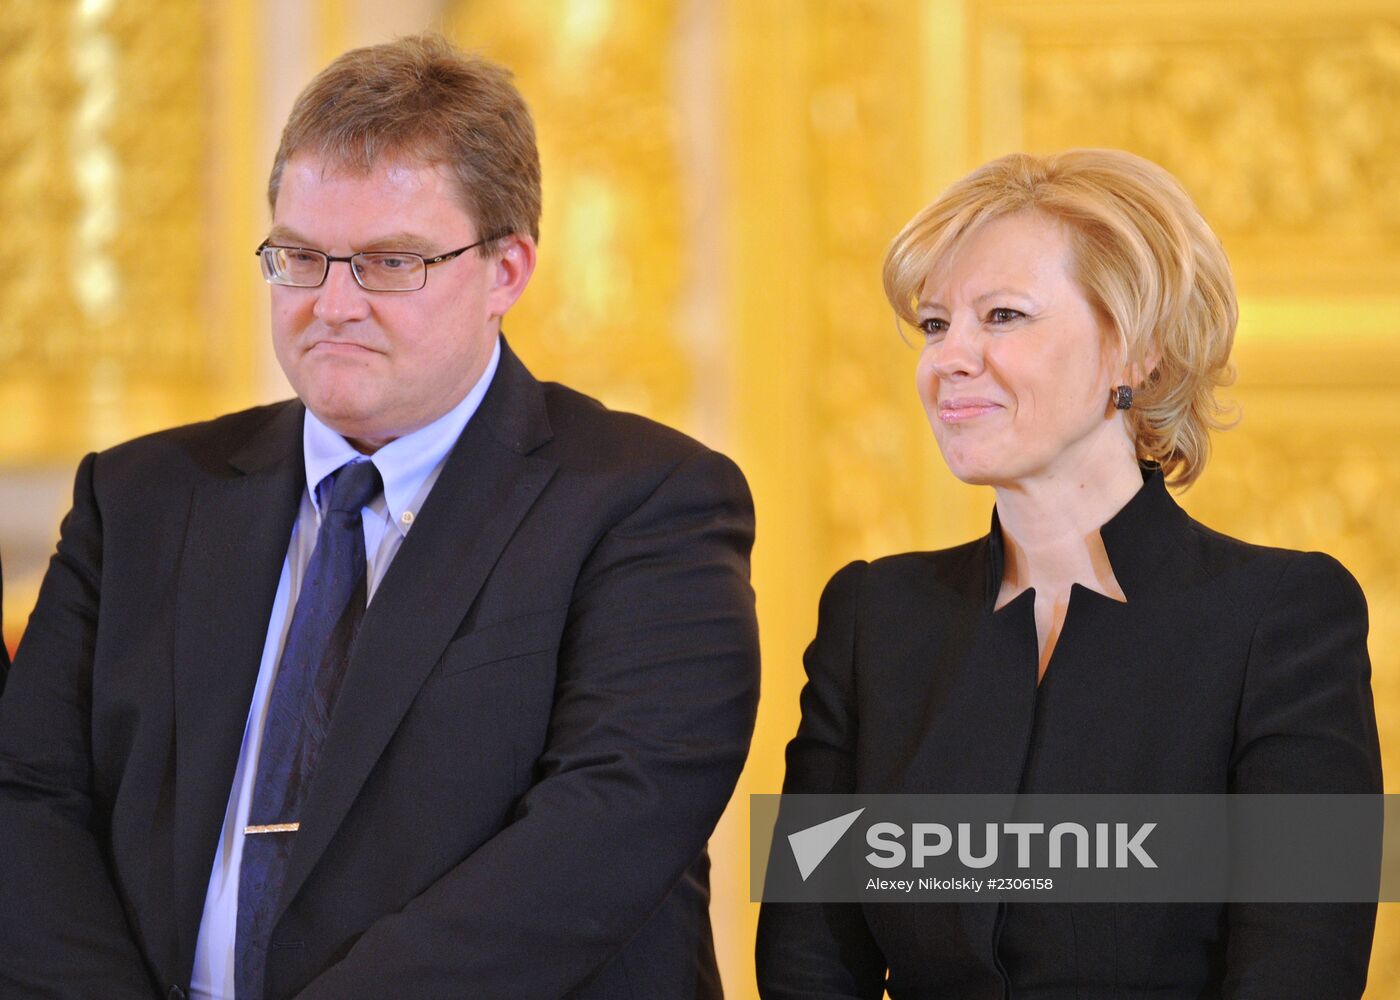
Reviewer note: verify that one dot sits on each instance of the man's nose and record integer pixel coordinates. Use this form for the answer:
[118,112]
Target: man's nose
[340,299]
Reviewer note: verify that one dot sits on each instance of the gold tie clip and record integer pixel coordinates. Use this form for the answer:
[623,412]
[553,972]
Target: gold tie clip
[273,828]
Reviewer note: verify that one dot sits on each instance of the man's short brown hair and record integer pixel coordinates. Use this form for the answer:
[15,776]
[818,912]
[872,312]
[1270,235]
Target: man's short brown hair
[419,98]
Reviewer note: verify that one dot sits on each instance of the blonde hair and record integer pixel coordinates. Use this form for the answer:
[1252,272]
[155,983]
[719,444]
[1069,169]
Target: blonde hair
[1144,257]
[420,98]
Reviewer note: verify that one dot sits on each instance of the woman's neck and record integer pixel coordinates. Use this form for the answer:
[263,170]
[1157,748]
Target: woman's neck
[1050,529]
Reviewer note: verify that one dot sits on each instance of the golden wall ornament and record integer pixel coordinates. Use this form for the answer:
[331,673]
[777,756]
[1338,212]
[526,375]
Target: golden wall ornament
[602,310]
[103,161]
[869,430]
[1282,119]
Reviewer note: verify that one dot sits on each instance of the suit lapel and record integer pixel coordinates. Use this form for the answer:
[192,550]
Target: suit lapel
[487,486]
[240,523]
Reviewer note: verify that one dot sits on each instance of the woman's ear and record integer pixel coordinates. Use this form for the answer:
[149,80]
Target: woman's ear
[1139,374]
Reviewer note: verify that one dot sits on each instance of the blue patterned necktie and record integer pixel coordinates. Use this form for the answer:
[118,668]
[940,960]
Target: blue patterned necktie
[327,615]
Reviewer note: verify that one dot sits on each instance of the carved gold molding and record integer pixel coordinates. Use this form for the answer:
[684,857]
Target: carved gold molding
[105,330]
[601,310]
[1282,120]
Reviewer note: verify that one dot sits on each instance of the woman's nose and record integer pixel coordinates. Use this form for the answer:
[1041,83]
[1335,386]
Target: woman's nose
[958,353]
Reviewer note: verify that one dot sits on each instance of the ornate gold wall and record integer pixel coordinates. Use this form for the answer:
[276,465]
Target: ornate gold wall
[111,201]
[602,306]
[721,179]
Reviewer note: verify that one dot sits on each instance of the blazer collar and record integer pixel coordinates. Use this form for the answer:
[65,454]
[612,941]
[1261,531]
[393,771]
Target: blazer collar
[277,440]
[514,408]
[1141,539]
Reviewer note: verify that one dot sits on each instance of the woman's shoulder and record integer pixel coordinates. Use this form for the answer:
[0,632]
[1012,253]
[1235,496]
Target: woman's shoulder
[1199,574]
[959,570]
[1265,568]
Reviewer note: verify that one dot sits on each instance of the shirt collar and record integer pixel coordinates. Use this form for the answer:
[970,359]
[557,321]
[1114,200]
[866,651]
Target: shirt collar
[405,463]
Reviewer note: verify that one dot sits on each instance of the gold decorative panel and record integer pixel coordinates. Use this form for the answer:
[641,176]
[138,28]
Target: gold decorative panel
[870,430]
[601,312]
[103,131]
[1282,119]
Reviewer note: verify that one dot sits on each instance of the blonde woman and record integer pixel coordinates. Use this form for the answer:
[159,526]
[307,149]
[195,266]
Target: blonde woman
[1077,315]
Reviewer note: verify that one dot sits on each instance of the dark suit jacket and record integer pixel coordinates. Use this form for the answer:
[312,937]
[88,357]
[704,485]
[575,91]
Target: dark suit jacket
[1230,668]
[548,704]
[4,651]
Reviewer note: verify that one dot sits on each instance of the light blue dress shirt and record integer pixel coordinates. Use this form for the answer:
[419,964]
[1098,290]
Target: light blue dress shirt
[409,466]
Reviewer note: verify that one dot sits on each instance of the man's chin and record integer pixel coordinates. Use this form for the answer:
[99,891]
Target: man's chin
[354,421]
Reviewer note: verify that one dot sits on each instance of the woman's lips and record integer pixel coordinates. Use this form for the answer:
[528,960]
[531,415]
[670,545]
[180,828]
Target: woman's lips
[957,411]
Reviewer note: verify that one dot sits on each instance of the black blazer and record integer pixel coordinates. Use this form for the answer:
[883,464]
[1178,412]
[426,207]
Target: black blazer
[1230,668]
[548,704]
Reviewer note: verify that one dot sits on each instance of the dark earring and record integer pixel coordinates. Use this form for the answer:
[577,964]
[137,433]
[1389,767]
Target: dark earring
[1122,397]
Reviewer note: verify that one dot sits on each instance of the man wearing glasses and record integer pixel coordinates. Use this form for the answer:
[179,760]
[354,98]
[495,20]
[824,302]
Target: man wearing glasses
[430,683]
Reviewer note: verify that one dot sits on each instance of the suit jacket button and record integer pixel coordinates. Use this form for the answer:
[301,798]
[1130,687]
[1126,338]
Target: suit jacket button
[175,993]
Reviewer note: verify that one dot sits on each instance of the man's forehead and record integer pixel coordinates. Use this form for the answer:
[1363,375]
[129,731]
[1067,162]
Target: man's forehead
[395,202]
[399,169]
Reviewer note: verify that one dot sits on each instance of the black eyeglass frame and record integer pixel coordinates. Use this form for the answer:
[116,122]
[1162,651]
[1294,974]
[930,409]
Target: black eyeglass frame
[326,271]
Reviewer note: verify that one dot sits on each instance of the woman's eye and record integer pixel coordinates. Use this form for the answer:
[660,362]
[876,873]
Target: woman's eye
[933,326]
[1004,315]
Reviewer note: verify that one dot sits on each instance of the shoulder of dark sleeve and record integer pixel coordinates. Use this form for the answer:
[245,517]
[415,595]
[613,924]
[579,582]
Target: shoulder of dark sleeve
[952,569]
[889,584]
[820,757]
[1307,718]
[179,452]
[1308,576]
[838,601]
[637,468]
[1311,592]
[597,437]
[591,439]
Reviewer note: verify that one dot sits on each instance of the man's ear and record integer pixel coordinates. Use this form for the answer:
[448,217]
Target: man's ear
[513,262]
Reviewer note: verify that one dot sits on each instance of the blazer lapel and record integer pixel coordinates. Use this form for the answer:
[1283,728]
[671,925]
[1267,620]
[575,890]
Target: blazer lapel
[986,670]
[240,522]
[487,486]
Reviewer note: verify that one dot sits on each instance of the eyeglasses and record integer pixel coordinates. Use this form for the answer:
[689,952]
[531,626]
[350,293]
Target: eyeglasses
[388,271]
